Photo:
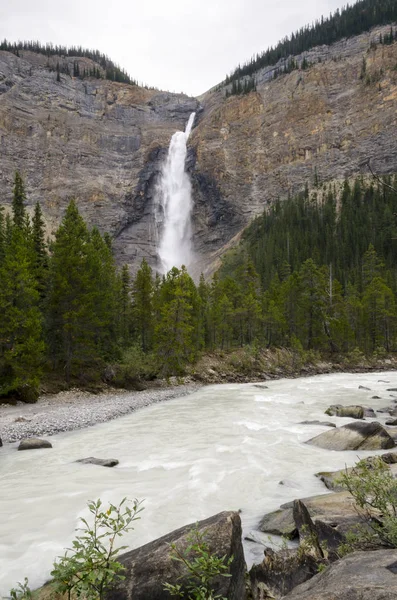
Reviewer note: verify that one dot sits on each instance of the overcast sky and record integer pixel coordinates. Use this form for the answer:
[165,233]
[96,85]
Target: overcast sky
[179,45]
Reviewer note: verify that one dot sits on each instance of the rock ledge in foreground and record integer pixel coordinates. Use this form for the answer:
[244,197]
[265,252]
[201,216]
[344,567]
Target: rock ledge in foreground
[150,566]
[358,576]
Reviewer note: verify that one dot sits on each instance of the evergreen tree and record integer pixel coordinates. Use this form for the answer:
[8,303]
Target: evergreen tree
[18,201]
[40,255]
[176,331]
[143,305]
[21,343]
[81,298]
[125,306]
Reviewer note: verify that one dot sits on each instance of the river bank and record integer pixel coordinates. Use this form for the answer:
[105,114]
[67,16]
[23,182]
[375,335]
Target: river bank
[76,409]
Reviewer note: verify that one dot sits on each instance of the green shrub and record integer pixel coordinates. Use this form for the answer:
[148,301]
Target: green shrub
[22,591]
[203,568]
[135,366]
[374,490]
[87,569]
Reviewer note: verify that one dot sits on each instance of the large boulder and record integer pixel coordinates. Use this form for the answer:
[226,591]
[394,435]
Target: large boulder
[150,566]
[354,436]
[336,509]
[337,410]
[101,462]
[358,576]
[33,444]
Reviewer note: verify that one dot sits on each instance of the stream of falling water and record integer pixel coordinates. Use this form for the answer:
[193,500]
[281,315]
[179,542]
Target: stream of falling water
[225,447]
[175,202]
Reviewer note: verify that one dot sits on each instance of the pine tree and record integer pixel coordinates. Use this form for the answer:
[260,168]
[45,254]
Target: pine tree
[79,305]
[142,292]
[40,255]
[125,306]
[2,235]
[21,342]
[176,330]
[18,201]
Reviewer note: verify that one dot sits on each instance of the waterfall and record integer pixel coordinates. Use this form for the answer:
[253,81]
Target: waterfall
[174,204]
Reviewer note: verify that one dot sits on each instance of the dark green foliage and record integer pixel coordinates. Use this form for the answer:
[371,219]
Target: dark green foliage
[176,329]
[18,201]
[351,20]
[240,87]
[327,271]
[143,306]
[21,341]
[82,297]
[40,254]
[106,68]
[313,273]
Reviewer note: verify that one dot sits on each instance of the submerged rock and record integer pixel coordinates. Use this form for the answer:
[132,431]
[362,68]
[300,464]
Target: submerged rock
[33,444]
[102,462]
[362,387]
[358,576]
[337,410]
[323,423]
[354,436]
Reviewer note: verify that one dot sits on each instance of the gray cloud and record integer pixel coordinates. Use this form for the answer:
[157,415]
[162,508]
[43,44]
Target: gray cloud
[179,45]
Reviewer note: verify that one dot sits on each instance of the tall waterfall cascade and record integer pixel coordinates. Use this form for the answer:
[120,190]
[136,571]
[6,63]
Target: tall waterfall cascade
[174,204]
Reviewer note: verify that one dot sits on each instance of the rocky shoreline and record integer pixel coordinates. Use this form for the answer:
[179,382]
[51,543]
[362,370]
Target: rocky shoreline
[76,409]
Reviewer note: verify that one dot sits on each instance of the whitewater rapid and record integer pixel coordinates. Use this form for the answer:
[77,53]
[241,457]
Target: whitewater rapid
[174,204]
[224,447]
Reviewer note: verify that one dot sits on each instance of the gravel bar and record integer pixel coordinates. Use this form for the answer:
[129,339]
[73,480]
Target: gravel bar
[76,409]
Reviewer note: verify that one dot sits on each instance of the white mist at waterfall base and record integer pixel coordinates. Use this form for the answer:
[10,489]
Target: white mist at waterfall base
[224,447]
[174,201]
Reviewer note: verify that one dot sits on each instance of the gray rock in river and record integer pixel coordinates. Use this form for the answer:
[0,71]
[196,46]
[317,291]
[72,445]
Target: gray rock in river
[1,443]
[323,423]
[370,413]
[358,576]
[102,462]
[150,566]
[354,436]
[33,444]
[362,387]
[337,410]
[336,510]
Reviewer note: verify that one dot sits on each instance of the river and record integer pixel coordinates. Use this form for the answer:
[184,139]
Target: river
[224,447]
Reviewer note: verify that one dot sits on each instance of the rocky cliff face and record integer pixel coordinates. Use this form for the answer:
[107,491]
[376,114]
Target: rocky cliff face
[103,142]
[98,141]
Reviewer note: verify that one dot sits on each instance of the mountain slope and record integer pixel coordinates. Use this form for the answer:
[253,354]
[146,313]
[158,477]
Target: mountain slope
[103,142]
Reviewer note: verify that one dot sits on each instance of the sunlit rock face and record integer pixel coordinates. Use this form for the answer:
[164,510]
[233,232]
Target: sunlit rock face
[105,143]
